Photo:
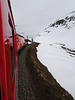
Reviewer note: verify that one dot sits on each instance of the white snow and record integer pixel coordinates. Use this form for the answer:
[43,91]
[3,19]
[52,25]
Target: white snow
[59,62]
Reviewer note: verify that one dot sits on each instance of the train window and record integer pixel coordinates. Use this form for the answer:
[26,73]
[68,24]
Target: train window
[10,30]
[11,47]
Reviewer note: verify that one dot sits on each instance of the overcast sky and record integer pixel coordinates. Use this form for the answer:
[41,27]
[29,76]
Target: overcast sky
[32,16]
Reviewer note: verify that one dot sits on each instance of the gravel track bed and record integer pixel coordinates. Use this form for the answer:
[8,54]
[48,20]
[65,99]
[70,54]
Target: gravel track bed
[34,80]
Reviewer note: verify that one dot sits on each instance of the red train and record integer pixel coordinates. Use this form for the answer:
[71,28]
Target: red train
[9,44]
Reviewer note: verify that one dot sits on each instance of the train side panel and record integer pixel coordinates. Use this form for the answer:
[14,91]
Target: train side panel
[7,52]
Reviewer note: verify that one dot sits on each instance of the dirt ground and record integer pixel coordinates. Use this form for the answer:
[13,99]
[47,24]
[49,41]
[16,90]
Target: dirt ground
[34,80]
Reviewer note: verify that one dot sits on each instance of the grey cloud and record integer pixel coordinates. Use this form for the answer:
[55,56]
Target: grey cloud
[31,16]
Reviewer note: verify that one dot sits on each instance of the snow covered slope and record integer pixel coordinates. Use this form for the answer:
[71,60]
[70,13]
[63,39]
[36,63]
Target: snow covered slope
[64,29]
[57,51]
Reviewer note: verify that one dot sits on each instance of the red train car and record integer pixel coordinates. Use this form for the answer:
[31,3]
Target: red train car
[20,41]
[8,52]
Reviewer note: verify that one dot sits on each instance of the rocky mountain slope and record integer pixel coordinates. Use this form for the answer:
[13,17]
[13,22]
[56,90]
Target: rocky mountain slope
[67,22]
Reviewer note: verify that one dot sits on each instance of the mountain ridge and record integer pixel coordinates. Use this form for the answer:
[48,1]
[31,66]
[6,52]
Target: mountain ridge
[68,22]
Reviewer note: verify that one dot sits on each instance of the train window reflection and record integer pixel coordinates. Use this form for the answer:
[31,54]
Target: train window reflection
[11,47]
